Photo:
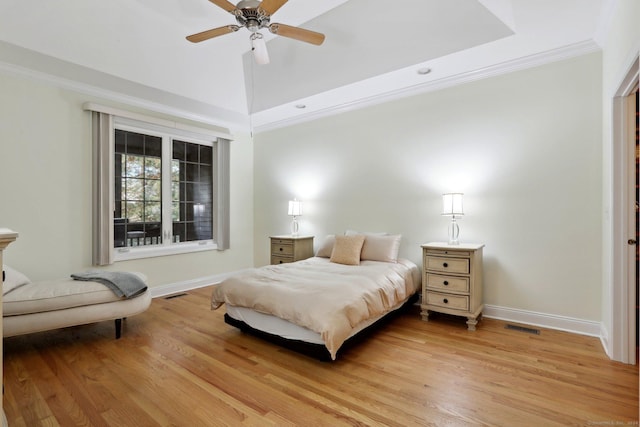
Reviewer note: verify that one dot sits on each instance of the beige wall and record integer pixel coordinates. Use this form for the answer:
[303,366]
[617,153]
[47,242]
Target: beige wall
[525,148]
[45,190]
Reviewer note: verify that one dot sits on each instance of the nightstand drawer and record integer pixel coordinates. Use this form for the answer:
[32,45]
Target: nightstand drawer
[278,241]
[448,283]
[282,249]
[448,252]
[280,259]
[455,302]
[448,265]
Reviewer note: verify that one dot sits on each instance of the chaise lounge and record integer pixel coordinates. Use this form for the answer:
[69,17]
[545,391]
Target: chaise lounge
[29,307]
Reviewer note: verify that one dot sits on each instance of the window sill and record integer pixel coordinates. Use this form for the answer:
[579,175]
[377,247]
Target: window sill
[130,253]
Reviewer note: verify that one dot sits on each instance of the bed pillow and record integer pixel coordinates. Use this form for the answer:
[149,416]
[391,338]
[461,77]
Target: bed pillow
[12,279]
[347,249]
[326,247]
[381,248]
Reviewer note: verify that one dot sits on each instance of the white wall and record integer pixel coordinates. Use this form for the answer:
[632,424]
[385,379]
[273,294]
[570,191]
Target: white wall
[45,190]
[525,148]
[621,48]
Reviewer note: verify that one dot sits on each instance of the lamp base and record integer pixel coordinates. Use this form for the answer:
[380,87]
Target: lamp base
[294,227]
[454,232]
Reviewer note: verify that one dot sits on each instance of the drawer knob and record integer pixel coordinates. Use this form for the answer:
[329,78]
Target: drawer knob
[446,283]
[445,265]
[446,301]
[280,249]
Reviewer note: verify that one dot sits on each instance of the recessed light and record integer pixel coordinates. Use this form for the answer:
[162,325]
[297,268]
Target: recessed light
[424,70]
[300,106]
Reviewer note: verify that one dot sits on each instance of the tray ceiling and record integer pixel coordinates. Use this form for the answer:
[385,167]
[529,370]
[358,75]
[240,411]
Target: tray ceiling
[373,49]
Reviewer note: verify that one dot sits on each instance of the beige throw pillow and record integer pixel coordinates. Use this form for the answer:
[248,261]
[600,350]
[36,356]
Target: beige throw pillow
[346,250]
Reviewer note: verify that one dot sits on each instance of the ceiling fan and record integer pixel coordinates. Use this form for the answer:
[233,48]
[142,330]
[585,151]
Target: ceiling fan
[255,15]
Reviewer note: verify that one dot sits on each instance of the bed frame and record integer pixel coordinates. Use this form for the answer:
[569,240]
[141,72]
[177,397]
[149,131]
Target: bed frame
[319,351]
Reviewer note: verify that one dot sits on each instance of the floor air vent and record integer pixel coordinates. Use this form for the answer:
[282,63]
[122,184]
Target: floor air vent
[176,296]
[523,329]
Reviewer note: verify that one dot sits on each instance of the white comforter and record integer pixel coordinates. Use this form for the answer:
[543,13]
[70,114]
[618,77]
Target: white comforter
[328,298]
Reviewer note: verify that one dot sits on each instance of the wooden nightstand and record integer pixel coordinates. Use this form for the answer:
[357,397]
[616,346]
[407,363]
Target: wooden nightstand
[452,280]
[290,248]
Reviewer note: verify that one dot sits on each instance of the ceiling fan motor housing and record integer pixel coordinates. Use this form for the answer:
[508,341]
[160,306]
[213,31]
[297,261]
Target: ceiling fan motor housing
[250,16]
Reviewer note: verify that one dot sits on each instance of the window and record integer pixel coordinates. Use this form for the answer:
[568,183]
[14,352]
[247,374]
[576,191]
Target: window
[139,205]
[159,190]
[191,191]
[138,189]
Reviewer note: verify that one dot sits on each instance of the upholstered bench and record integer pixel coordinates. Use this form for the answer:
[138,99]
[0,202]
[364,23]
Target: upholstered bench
[29,307]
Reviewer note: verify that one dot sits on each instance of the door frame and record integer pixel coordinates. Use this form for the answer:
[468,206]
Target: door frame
[623,290]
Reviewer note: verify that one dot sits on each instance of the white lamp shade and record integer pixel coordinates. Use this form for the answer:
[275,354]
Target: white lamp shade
[452,204]
[259,48]
[295,208]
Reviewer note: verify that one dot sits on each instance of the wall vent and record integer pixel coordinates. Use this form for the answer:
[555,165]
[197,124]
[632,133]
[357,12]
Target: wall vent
[176,296]
[523,329]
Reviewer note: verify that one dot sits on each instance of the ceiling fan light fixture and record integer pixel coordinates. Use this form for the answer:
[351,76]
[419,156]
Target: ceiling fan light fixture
[259,48]
[252,25]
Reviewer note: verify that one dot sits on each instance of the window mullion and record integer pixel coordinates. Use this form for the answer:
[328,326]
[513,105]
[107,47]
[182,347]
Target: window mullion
[167,224]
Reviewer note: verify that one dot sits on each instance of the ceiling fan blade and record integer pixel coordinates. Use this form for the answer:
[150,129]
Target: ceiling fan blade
[271,6]
[209,34]
[297,33]
[229,7]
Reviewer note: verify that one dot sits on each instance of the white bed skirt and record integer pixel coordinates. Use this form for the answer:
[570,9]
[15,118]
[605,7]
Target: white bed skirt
[285,329]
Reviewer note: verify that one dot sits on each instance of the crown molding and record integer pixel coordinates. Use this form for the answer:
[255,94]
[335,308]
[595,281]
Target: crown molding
[555,55]
[189,109]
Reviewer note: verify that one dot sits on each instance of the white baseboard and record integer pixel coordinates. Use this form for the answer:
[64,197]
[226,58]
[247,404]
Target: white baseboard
[187,285]
[604,339]
[551,321]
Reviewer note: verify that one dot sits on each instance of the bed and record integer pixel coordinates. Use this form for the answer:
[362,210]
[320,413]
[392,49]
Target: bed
[322,304]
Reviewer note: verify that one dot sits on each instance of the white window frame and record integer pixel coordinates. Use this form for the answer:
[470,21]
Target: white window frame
[168,247]
[104,177]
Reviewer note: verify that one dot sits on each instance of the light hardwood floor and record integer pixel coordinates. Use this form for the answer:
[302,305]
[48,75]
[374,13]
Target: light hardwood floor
[179,364]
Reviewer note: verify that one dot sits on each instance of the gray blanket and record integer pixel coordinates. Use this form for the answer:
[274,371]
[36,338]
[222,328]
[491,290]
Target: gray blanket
[123,284]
